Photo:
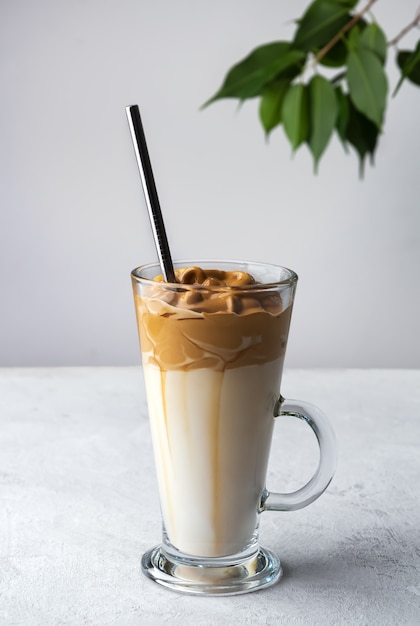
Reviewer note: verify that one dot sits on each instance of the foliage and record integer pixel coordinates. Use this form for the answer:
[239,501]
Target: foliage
[288,77]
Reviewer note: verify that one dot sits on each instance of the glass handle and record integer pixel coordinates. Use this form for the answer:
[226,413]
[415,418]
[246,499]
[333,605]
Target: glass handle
[324,433]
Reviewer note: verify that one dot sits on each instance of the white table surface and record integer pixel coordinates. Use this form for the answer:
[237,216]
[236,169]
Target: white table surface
[78,505]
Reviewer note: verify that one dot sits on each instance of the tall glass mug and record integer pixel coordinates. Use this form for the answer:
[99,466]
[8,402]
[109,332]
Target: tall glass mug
[213,347]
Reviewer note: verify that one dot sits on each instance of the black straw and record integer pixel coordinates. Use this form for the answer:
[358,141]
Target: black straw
[150,193]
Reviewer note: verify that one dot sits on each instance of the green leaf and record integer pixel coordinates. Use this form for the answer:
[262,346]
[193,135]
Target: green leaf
[320,23]
[409,64]
[362,134]
[336,56]
[295,115]
[373,39]
[367,84]
[272,102]
[247,78]
[323,114]
[343,113]
[353,38]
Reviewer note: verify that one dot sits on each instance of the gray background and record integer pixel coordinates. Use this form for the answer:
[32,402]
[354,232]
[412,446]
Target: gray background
[73,219]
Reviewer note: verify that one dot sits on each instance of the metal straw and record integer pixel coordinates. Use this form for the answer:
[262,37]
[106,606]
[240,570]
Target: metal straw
[150,193]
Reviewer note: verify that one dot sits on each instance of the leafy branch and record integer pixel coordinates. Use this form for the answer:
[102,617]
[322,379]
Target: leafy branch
[343,31]
[352,103]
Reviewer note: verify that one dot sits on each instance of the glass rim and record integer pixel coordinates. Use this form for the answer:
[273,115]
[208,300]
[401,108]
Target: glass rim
[290,280]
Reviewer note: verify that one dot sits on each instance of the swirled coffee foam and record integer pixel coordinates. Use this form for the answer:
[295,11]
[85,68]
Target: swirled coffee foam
[212,349]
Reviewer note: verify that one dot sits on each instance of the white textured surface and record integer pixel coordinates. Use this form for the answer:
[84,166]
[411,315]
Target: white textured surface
[77,505]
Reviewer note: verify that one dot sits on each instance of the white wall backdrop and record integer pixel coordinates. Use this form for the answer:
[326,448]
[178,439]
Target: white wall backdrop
[73,219]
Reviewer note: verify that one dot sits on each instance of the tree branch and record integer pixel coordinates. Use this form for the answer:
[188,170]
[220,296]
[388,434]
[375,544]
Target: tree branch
[345,28]
[405,30]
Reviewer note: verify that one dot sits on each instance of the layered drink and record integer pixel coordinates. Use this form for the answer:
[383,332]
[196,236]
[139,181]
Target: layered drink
[213,346]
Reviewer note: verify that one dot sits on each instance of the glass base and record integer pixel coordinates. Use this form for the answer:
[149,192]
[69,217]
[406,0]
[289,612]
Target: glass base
[212,577]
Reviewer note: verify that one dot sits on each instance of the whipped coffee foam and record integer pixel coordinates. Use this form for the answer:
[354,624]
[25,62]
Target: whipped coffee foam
[212,349]
[217,328]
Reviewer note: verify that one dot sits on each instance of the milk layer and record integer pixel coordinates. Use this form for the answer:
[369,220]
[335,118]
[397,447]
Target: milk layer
[211,434]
